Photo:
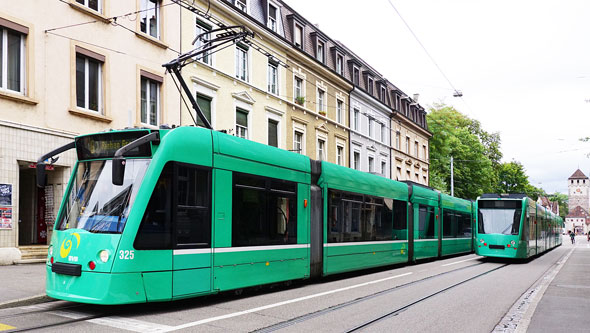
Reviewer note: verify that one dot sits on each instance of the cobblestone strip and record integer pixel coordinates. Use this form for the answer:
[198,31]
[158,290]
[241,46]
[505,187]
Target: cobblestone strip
[518,318]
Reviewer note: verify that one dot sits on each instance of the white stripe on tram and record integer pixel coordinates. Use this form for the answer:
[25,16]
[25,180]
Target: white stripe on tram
[363,243]
[274,305]
[192,251]
[260,248]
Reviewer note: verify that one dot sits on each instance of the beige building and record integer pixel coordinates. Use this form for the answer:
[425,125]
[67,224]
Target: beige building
[410,152]
[71,68]
[241,88]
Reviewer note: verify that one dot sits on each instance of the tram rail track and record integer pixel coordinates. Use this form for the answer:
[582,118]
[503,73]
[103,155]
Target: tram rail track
[306,317]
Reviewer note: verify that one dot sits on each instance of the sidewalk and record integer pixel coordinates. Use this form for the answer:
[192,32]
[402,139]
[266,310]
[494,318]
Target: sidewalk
[22,284]
[565,304]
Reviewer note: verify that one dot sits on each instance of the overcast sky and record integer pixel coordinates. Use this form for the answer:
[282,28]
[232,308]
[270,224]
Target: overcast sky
[523,67]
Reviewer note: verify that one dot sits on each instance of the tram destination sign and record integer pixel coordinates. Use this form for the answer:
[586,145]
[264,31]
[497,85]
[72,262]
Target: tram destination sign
[104,145]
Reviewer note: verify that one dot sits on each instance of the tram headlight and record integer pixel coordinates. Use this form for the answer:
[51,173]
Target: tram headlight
[104,255]
[512,242]
[481,240]
[50,250]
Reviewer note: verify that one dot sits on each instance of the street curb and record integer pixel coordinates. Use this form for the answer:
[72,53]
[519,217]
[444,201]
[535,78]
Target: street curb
[26,301]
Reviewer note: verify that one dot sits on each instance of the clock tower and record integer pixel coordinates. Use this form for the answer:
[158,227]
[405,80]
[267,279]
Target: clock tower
[578,185]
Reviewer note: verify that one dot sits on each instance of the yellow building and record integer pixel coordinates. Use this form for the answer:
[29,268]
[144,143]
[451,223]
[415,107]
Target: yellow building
[70,67]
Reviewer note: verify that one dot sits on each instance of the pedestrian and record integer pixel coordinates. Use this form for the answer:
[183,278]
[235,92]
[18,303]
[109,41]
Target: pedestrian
[573,237]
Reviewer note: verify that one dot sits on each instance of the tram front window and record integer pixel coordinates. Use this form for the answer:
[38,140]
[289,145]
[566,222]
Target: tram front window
[94,203]
[499,217]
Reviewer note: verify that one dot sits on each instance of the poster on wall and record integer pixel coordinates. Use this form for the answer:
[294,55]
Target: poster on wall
[5,217]
[5,194]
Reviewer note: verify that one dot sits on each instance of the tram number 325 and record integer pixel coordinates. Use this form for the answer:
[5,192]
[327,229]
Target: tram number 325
[126,254]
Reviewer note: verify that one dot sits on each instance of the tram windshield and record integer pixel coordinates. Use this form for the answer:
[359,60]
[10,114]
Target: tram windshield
[499,216]
[94,203]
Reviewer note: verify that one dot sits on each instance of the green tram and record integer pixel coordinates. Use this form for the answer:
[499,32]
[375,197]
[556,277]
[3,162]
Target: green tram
[159,215]
[515,226]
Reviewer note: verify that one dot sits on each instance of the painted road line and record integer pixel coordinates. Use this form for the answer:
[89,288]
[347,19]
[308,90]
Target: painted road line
[4,327]
[458,262]
[123,323]
[274,305]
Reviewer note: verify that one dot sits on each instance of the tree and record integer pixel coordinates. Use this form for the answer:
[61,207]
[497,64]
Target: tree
[562,200]
[456,135]
[513,179]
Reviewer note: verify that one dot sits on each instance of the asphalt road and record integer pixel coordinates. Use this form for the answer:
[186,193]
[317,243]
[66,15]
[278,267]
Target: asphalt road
[465,293]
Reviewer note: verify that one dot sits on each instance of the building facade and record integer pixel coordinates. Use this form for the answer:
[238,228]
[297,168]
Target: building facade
[578,186]
[577,221]
[60,80]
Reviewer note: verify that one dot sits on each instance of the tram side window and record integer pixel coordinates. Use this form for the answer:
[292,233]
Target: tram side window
[400,219]
[356,218]
[426,222]
[193,221]
[465,230]
[449,224]
[264,211]
[155,230]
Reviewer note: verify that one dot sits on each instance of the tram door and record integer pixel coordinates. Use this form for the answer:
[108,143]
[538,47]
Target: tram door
[192,253]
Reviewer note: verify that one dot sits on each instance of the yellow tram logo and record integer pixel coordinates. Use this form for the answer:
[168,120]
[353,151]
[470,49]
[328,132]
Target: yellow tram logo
[66,245]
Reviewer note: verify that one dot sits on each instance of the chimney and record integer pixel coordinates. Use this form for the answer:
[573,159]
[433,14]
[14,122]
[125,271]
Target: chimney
[415,97]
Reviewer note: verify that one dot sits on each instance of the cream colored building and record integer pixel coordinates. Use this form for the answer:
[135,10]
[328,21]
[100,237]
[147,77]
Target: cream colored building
[410,150]
[70,68]
[242,88]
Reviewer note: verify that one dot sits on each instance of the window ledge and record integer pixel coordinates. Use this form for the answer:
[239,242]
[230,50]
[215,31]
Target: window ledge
[18,98]
[88,11]
[91,115]
[151,39]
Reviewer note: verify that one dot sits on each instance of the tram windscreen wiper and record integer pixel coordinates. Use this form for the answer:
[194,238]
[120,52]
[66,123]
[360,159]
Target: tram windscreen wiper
[116,208]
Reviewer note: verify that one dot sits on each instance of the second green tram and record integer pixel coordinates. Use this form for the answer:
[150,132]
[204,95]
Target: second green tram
[515,226]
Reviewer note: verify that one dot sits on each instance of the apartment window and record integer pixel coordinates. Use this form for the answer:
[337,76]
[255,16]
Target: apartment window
[356,118]
[92,4]
[355,75]
[202,30]
[272,17]
[416,151]
[357,160]
[242,62]
[339,155]
[273,133]
[339,107]
[370,127]
[382,94]
[299,97]
[150,17]
[298,142]
[320,51]
[340,64]
[383,167]
[397,139]
[242,123]
[384,133]
[273,78]
[408,145]
[424,152]
[321,100]
[298,36]
[370,85]
[204,103]
[242,5]
[89,80]
[150,100]
[371,164]
[12,58]
[321,149]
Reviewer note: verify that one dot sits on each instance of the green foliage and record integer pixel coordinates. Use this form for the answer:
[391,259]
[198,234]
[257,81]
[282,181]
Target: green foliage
[512,178]
[475,153]
[562,200]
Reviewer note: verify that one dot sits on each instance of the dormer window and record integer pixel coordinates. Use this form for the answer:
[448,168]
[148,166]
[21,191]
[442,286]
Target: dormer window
[320,51]
[356,75]
[382,92]
[242,5]
[298,36]
[370,85]
[272,17]
[340,64]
